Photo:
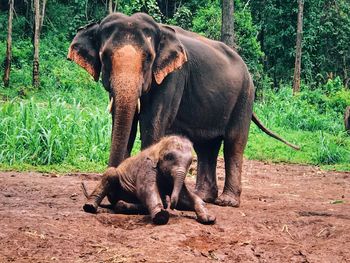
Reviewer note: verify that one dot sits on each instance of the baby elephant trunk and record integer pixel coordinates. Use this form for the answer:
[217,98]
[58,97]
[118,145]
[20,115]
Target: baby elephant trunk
[179,178]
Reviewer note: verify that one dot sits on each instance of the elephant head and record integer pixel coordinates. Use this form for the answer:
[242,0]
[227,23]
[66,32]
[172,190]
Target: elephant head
[174,160]
[131,53]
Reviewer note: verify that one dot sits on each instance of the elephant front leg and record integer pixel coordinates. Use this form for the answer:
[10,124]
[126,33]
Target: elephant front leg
[148,193]
[154,204]
[155,207]
[192,202]
[206,185]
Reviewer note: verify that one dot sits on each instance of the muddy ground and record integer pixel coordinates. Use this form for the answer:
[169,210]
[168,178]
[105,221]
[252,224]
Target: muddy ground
[289,213]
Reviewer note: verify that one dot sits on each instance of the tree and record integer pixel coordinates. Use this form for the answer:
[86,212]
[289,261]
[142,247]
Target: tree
[9,45]
[112,9]
[36,43]
[42,14]
[227,28]
[38,23]
[110,6]
[297,67]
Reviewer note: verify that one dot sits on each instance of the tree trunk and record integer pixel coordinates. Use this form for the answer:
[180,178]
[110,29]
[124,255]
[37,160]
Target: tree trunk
[36,43]
[115,6]
[42,15]
[9,45]
[297,67]
[28,25]
[110,6]
[227,28]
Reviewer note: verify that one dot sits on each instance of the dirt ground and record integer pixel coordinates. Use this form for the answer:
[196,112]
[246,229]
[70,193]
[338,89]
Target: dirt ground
[289,213]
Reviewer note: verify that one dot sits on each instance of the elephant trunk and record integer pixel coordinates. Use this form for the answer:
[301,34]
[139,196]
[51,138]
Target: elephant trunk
[179,178]
[126,82]
[123,115]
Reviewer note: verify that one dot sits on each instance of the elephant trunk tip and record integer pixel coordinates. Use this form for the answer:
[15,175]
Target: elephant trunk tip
[173,202]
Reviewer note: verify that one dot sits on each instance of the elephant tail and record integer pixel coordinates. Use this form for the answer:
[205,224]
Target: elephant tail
[261,126]
[83,187]
[85,192]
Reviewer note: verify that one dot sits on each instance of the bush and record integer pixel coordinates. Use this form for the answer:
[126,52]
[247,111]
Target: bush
[331,152]
[207,20]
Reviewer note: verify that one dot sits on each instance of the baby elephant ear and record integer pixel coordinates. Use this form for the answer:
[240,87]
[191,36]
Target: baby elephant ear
[84,50]
[170,56]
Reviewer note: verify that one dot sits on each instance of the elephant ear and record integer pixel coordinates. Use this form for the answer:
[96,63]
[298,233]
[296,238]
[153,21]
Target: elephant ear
[84,50]
[171,54]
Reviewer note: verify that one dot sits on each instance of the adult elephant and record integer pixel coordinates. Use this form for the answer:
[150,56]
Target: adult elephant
[187,84]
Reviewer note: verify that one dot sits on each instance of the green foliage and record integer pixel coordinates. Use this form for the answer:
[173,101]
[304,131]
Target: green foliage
[147,6]
[207,21]
[246,38]
[326,34]
[182,18]
[333,85]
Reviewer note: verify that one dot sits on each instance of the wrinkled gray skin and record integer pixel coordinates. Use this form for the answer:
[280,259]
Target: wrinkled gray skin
[142,182]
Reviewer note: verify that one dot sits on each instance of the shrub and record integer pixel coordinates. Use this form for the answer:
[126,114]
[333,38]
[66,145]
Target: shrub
[330,152]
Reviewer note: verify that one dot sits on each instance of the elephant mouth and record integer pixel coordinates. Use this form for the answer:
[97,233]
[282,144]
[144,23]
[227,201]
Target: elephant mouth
[110,105]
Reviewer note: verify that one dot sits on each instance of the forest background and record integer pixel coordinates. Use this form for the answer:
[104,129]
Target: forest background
[62,123]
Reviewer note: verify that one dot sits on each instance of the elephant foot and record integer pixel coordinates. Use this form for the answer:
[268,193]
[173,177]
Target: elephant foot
[207,196]
[90,208]
[228,200]
[161,217]
[206,219]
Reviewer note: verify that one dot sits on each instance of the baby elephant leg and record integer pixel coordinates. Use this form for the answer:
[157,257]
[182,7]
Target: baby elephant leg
[148,193]
[155,207]
[190,201]
[124,207]
[102,189]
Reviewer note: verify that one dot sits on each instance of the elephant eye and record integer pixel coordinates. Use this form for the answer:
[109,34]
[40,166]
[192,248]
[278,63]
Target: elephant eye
[169,157]
[148,57]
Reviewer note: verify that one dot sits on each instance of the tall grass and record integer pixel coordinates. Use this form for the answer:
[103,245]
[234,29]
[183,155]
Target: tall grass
[52,132]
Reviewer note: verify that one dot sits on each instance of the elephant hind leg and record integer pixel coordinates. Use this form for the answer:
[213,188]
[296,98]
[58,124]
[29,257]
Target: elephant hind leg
[124,207]
[102,189]
[235,141]
[206,185]
[233,153]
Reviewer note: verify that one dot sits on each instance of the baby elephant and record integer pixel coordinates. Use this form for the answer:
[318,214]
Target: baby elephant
[143,182]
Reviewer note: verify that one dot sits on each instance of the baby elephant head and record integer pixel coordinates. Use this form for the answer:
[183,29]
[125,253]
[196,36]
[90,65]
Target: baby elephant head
[175,158]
